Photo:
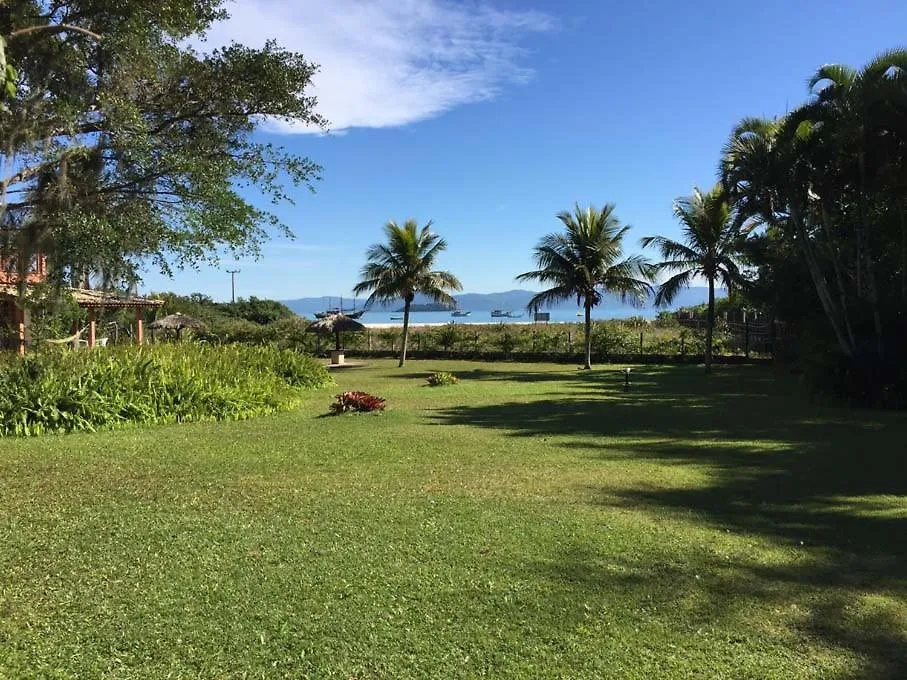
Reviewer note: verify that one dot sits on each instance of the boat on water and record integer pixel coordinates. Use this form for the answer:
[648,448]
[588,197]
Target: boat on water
[396,318]
[333,311]
[504,314]
[458,312]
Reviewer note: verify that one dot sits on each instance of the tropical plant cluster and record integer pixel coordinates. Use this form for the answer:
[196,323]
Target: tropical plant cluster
[820,194]
[441,378]
[64,391]
[357,402]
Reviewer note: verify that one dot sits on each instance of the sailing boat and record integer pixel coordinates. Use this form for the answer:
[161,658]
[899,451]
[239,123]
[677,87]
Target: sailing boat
[331,311]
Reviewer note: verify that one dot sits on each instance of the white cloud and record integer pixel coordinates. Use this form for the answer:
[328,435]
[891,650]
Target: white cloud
[387,63]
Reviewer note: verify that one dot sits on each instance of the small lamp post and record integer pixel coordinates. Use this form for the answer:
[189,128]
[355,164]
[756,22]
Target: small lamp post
[627,379]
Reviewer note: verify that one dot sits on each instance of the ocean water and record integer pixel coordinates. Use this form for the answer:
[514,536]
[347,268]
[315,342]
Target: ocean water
[484,317]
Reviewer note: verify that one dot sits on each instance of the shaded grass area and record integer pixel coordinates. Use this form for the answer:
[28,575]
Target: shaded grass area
[532,521]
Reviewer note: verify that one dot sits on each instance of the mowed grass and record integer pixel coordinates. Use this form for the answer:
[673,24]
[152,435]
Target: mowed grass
[533,521]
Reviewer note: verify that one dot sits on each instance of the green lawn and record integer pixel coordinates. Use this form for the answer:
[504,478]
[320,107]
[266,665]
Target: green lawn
[532,521]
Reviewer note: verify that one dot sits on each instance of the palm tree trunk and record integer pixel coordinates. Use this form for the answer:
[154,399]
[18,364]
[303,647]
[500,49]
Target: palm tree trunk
[903,252]
[828,305]
[870,269]
[710,326]
[839,278]
[406,304]
[588,336]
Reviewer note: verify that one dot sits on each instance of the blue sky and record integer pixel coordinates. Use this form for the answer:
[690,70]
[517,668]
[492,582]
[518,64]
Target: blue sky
[490,117]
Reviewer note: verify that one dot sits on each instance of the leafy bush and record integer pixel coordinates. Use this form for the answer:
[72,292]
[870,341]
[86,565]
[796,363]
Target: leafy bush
[448,336]
[65,391]
[442,378]
[357,402]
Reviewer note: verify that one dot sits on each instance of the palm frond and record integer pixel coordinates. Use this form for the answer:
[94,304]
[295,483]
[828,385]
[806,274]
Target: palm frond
[578,261]
[669,249]
[832,75]
[551,296]
[669,290]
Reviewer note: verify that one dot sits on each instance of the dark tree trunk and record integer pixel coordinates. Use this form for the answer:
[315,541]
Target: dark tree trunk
[588,329]
[903,252]
[406,304]
[710,326]
[872,290]
[833,315]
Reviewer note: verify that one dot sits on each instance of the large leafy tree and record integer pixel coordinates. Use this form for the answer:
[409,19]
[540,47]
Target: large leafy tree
[120,144]
[402,267]
[709,249]
[585,261]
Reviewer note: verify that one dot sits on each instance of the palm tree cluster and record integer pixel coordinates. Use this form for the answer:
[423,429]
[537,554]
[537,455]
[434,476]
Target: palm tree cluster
[584,261]
[808,222]
[821,192]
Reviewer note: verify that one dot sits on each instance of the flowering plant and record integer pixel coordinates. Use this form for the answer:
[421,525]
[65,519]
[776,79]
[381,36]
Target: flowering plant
[357,402]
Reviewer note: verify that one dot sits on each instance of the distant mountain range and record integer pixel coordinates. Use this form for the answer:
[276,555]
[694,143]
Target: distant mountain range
[511,300]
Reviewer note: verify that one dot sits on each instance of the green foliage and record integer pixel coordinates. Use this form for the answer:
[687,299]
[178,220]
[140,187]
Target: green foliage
[618,337]
[66,391]
[448,336]
[254,321]
[128,146]
[258,310]
[505,340]
[821,193]
[440,378]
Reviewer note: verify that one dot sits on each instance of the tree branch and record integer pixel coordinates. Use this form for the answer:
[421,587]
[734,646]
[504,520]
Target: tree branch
[56,28]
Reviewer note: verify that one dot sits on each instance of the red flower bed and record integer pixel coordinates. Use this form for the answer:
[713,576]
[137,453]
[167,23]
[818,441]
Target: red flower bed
[357,402]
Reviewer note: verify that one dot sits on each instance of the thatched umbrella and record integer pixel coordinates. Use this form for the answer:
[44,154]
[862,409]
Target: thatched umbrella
[336,324]
[177,322]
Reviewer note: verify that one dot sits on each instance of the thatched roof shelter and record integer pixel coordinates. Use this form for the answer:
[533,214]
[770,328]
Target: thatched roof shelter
[177,322]
[336,324]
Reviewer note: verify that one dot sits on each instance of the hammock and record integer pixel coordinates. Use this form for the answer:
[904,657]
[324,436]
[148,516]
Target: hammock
[72,339]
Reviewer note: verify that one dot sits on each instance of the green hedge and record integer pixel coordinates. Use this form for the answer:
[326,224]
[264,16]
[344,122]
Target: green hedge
[66,391]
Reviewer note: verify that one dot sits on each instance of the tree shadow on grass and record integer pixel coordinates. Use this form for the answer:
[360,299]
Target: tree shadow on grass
[830,479]
[504,373]
[731,603]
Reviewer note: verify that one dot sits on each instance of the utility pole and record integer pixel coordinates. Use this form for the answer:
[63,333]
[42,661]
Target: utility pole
[233,273]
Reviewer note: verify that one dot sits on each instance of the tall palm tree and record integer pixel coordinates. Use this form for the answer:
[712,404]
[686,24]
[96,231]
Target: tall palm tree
[858,110]
[585,261]
[403,267]
[710,250]
[766,170]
